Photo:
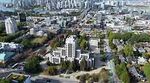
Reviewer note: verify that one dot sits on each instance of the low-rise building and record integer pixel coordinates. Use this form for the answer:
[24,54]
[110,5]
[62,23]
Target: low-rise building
[135,73]
[5,56]
[8,51]
[141,60]
[19,78]
[94,45]
[10,47]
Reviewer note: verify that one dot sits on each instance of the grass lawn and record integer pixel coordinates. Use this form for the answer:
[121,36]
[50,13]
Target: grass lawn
[39,40]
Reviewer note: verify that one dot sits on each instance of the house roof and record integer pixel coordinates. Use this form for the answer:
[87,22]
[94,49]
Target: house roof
[6,55]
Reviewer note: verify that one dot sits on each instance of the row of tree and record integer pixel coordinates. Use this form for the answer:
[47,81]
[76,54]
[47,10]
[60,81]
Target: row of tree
[56,42]
[67,67]
[122,72]
[32,41]
[111,36]
[129,37]
[9,38]
[83,42]
[74,65]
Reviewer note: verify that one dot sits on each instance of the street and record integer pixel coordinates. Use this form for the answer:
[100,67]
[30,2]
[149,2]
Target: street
[51,79]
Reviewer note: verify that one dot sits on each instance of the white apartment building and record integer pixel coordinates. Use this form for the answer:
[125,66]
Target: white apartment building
[10,25]
[71,47]
[69,53]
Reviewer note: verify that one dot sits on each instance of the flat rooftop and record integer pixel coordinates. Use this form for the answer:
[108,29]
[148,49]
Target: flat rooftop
[4,56]
[17,78]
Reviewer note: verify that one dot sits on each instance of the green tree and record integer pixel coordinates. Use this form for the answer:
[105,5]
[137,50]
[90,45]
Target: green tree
[116,60]
[125,77]
[32,65]
[83,44]
[122,72]
[128,50]
[144,37]
[126,36]
[51,70]
[65,65]
[2,27]
[112,45]
[130,21]
[133,39]
[147,71]
[147,55]
[111,36]
[103,57]
[56,43]
[26,43]
[74,66]
[83,65]
[4,81]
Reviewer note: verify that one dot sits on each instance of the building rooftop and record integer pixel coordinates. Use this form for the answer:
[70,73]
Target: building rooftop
[6,56]
[4,45]
[17,78]
[71,39]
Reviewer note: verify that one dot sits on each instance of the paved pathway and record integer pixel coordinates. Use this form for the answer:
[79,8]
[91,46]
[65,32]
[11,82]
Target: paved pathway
[53,79]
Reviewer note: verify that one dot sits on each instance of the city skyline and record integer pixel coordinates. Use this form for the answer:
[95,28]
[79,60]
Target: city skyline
[74,41]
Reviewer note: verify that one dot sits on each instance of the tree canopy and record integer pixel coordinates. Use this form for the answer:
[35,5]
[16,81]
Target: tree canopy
[74,66]
[83,65]
[4,81]
[147,71]
[112,36]
[122,72]
[26,43]
[32,65]
[83,42]
[128,50]
[129,37]
[65,65]
[129,20]
[56,42]
[2,27]
[51,70]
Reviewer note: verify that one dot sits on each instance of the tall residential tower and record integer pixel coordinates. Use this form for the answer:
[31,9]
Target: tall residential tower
[10,25]
[71,47]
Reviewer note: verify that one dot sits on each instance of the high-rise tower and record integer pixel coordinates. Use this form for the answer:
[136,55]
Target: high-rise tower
[10,25]
[71,47]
